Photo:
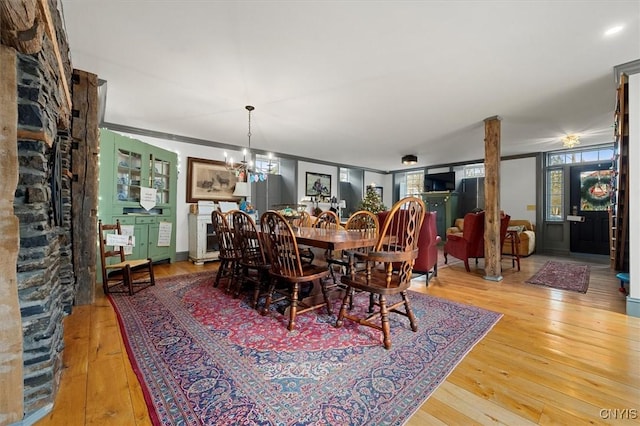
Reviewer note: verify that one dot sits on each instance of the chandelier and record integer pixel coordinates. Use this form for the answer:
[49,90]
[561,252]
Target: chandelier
[570,141]
[244,167]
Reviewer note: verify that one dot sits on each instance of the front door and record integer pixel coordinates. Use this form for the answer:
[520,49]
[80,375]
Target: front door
[590,200]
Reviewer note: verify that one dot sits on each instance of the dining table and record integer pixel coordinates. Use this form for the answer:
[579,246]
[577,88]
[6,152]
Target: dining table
[335,239]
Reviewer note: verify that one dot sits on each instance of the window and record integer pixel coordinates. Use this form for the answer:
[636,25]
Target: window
[473,170]
[267,164]
[555,172]
[414,184]
[555,194]
[344,174]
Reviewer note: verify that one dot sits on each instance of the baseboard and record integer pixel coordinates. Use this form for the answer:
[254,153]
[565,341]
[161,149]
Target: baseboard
[633,307]
[182,255]
[35,416]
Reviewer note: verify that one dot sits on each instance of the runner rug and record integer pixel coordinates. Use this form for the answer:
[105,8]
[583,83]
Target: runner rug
[203,357]
[563,276]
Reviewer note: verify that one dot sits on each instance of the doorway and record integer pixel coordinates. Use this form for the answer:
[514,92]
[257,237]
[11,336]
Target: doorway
[590,192]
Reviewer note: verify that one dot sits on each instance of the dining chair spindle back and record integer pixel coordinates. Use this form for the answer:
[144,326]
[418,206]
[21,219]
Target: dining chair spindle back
[387,269]
[287,267]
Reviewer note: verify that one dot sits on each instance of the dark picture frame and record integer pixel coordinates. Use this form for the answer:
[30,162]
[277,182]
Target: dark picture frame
[209,180]
[378,190]
[317,184]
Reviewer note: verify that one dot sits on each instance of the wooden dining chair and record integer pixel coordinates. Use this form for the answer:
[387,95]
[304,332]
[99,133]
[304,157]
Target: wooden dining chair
[254,266]
[230,254]
[120,275]
[327,220]
[387,269]
[304,221]
[287,267]
[362,220]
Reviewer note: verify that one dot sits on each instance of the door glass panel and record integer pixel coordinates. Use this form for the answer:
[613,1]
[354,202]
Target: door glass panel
[160,179]
[555,195]
[595,190]
[128,175]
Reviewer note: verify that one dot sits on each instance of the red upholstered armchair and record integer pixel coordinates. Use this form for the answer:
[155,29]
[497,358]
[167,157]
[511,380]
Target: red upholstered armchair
[471,243]
[428,239]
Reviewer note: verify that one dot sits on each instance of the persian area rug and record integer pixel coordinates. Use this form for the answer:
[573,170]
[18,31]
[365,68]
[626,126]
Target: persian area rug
[205,358]
[563,276]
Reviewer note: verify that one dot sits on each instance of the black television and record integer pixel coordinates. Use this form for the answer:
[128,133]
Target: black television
[440,182]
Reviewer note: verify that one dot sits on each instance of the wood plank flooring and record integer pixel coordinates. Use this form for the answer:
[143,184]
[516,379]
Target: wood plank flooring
[555,358]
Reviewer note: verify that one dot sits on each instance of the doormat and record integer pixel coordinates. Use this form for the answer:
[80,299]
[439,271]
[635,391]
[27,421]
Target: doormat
[563,276]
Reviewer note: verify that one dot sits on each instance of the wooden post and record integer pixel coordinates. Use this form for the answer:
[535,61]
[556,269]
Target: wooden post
[492,249]
[11,391]
[84,187]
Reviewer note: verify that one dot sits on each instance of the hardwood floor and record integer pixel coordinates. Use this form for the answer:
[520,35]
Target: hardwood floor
[555,357]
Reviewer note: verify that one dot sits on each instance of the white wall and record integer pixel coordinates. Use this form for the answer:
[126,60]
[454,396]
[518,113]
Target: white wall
[518,188]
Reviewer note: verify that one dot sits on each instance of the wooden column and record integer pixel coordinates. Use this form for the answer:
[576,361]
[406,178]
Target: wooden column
[11,391]
[84,187]
[492,249]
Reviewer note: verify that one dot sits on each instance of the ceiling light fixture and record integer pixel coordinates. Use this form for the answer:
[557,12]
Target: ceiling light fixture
[409,160]
[570,141]
[244,166]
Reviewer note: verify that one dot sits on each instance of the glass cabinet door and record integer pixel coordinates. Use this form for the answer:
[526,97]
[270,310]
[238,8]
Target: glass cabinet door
[160,179]
[128,175]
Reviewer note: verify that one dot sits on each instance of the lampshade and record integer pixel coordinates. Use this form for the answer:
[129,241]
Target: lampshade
[409,160]
[242,190]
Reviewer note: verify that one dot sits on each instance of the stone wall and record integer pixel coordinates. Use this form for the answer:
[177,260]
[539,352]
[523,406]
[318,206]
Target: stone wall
[42,204]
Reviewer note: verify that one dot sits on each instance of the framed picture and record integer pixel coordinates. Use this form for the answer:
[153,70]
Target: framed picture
[209,180]
[318,184]
[378,190]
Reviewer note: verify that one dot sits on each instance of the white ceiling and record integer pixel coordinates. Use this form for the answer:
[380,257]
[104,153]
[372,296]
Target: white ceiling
[359,82]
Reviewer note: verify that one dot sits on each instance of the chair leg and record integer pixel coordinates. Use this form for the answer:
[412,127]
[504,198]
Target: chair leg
[333,274]
[409,311]
[264,281]
[293,307]
[267,302]
[220,273]
[372,302]
[152,277]
[347,301]
[325,295]
[128,279]
[384,318]
[466,265]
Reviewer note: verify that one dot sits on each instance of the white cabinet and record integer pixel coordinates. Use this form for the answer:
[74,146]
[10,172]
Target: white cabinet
[203,241]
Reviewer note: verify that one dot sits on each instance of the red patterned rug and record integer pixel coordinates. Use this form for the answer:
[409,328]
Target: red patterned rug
[204,358]
[563,276]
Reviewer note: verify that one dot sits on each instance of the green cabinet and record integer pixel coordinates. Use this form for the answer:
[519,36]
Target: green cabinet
[138,187]
[445,204]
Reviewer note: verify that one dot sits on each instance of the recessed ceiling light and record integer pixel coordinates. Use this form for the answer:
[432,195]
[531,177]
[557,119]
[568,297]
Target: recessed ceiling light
[613,30]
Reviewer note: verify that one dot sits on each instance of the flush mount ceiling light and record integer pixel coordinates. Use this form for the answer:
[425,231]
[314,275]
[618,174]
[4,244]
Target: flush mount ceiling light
[409,160]
[570,141]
